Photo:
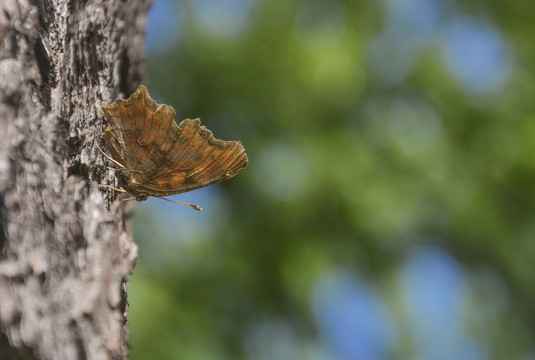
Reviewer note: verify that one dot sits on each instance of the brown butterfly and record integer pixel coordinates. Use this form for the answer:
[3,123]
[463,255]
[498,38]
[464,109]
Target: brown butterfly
[157,157]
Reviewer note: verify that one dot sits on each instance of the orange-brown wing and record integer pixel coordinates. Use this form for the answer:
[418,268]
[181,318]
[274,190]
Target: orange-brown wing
[196,160]
[141,132]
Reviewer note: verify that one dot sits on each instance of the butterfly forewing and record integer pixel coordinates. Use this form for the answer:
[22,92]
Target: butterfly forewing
[142,129]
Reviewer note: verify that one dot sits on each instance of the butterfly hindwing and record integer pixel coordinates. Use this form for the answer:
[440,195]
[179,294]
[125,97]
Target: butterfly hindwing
[201,161]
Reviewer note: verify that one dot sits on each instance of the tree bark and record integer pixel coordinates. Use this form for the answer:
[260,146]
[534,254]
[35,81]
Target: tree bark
[66,251]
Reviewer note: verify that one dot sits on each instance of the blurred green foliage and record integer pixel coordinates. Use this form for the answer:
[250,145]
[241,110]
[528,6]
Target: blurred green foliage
[365,145]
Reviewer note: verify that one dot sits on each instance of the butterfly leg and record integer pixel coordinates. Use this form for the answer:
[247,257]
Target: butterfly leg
[128,199]
[118,190]
[111,187]
[110,158]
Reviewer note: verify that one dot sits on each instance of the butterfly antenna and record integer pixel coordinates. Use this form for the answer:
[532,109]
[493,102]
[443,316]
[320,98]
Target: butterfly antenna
[195,207]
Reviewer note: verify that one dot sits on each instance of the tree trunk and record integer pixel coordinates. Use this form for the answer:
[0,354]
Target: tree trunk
[65,248]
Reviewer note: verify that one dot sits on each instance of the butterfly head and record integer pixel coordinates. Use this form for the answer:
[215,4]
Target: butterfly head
[129,182]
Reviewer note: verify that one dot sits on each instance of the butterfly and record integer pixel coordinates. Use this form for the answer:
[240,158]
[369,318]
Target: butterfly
[157,157]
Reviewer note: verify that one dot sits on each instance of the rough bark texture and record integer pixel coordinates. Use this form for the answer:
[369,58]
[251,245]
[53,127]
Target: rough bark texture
[65,248]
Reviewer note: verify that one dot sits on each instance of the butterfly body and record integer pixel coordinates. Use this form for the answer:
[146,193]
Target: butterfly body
[157,157]
[129,182]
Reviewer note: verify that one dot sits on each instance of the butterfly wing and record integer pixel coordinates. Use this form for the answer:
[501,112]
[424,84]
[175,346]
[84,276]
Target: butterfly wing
[197,159]
[141,132]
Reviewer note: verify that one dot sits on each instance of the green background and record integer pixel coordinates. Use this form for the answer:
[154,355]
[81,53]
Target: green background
[387,208]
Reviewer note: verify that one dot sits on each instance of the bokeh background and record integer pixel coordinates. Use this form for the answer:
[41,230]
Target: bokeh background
[388,208]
